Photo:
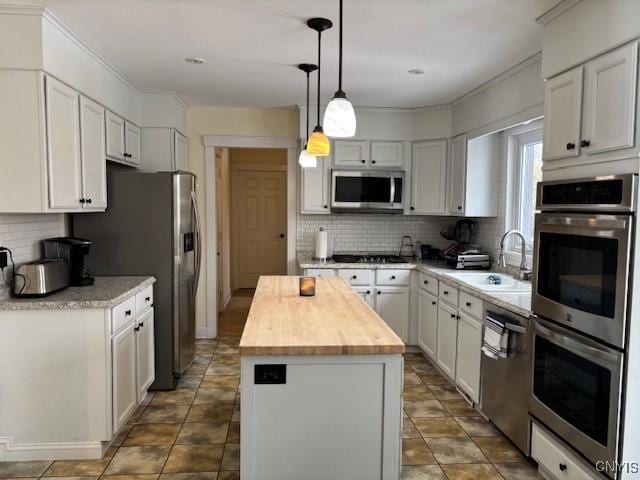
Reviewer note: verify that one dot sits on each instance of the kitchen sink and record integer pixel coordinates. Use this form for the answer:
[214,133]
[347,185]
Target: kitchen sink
[485,281]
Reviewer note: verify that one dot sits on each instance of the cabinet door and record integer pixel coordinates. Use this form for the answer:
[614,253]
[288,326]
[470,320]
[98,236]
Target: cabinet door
[447,333]
[145,356]
[387,155]
[367,294]
[427,323]
[132,143]
[115,136]
[457,172]
[125,392]
[468,355]
[179,151]
[63,146]
[92,147]
[320,272]
[428,177]
[351,153]
[562,108]
[392,304]
[610,101]
[314,188]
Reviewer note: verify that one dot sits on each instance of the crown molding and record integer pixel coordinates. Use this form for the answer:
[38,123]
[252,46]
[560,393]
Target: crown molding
[556,11]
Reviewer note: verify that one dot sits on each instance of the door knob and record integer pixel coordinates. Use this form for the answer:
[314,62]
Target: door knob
[282,235]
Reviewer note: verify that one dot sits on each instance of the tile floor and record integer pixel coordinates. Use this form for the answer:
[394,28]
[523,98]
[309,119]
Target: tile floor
[193,433]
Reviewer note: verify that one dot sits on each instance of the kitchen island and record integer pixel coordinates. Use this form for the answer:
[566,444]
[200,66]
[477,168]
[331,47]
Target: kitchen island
[321,386]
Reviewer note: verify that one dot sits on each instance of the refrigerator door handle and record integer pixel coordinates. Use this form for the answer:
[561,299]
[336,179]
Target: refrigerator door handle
[196,212]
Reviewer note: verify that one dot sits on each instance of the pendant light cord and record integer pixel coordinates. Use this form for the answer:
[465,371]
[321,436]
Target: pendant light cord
[307,141]
[319,51]
[340,50]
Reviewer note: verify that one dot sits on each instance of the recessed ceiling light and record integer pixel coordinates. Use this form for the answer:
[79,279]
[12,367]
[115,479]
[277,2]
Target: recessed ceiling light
[195,60]
[416,71]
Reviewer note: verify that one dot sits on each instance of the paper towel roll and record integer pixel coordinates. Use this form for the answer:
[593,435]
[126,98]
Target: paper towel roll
[321,244]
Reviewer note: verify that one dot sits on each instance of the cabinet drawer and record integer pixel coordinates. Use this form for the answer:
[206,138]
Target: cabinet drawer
[448,293]
[356,277]
[392,277]
[123,314]
[471,305]
[428,284]
[549,454]
[320,272]
[144,299]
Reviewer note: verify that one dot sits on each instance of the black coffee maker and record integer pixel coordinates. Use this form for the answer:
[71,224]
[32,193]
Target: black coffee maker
[73,250]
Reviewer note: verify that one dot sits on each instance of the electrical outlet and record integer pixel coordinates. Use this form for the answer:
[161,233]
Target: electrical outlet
[4,258]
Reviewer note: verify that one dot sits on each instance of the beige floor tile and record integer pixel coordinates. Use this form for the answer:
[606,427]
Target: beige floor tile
[122,435]
[165,414]
[471,472]
[499,449]
[147,398]
[214,395]
[196,369]
[422,367]
[518,471]
[174,397]
[152,434]
[453,450]
[417,392]
[236,413]
[425,409]
[445,392]
[85,477]
[137,460]
[194,458]
[23,469]
[202,359]
[421,472]
[225,349]
[433,379]
[220,381]
[459,408]
[411,378]
[189,381]
[438,427]
[148,476]
[477,427]
[189,476]
[416,452]
[225,359]
[231,457]
[78,468]
[203,433]
[234,432]
[409,429]
[233,340]
[414,357]
[229,475]
[137,414]
[222,369]
[210,413]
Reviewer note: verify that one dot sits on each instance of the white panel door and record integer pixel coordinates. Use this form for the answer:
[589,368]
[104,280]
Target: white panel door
[351,153]
[125,391]
[366,293]
[115,136]
[427,323]
[468,355]
[392,304]
[63,146]
[562,110]
[314,188]
[132,136]
[92,147]
[145,356]
[447,334]
[387,155]
[179,151]
[457,174]
[610,100]
[428,177]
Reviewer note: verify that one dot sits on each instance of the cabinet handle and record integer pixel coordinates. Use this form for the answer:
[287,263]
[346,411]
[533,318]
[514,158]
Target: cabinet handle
[413,208]
[141,324]
[368,292]
[353,277]
[585,143]
[147,299]
[379,293]
[373,161]
[127,313]
[453,315]
[571,146]
[562,467]
[457,317]
[393,277]
[426,282]
[446,292]
[468,304]
[432,302]
[363,161]
[137,329]
[326,206]
[128,155]
[459,207]
[89,200]
[82,200]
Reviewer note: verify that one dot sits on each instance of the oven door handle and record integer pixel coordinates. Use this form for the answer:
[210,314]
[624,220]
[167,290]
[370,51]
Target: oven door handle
[584,346]
[512,327]
[615,222]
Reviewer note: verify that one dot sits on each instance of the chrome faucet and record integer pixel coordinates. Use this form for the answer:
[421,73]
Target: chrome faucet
[525,271]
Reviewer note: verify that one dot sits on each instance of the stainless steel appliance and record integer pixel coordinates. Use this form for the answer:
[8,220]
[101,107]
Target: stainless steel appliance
[466,257]
[505,381]
[576,389]
[152,227]
[73,252]
[367,191]
[41,278]
[583,254]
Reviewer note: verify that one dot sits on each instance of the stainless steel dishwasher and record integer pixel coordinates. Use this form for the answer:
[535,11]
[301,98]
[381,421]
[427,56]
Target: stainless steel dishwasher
[505,381]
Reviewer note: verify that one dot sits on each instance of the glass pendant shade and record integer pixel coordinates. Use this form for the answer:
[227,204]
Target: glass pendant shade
[306,160]
[318,144]
[339,118]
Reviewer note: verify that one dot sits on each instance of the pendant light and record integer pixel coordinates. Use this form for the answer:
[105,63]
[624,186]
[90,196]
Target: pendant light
[306,160]
[318,143]
[339,118]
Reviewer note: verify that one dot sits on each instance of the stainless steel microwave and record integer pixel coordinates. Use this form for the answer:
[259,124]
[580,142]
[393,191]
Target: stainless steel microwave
[367,191]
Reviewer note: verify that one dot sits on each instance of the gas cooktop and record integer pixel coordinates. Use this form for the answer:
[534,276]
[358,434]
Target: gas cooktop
[369,258]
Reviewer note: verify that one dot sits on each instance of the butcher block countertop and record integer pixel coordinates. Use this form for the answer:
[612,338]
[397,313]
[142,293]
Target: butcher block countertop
[336,321]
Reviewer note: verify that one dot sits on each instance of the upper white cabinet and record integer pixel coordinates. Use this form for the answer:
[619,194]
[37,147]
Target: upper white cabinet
[163,150]
[315,188]
[92,147]
[351,153]
[562,108]
[457,175]
[132,143]
[387,155]
[428,177]
[115,137]
[180,151]
[368,154]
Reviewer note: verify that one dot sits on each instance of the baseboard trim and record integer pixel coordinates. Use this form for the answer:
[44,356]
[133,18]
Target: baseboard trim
[202,332]
[10,451]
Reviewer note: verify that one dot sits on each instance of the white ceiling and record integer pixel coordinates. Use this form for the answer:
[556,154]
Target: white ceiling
[252,46]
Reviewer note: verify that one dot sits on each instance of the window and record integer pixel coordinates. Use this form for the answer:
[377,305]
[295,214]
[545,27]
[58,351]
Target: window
[525,167]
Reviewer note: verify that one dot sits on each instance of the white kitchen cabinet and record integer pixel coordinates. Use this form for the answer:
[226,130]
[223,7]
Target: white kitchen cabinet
[350,153]
[63,146]
[457,173]
[180,151]
[163,150]
[315,188]
[428,177]
[387,155]
[608,121]
[115,137]
[145,359]
[392,304]
[132,142]
[320,272]
[92,148]
[447,335]
[366,293]
[427,323]
[361,277]
[125,391]
[562,111]
[469,343]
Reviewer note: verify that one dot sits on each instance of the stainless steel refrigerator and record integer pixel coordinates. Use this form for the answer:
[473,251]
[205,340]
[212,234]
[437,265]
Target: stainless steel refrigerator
[151,227]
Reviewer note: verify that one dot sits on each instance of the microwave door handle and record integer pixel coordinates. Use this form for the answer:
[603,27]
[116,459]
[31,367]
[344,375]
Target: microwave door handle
[392,190]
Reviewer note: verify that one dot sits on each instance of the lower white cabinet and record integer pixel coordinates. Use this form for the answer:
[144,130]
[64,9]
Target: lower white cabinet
[468,355]
[447,339]
[392,304]
[125,391]
[366,293]
[145,353]
[427,322]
